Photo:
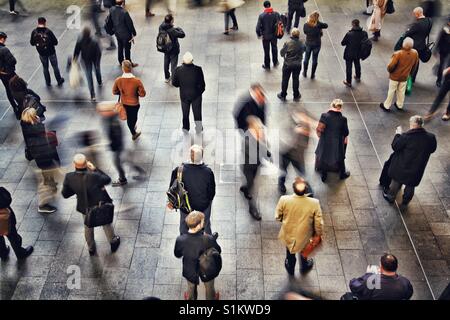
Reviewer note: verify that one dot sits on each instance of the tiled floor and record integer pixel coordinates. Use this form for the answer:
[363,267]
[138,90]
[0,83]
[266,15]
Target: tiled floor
[359,224]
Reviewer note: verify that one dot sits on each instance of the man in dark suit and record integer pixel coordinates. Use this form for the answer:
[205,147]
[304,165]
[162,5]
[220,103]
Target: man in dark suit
[412,151]
[266,29]
[191,81]
[8,217]
[419,32]
[124,31]
[352,42]
[88,183]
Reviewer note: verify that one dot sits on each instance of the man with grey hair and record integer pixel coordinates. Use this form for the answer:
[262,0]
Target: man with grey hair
[199,182]
[292,53]
[400,67]
[412,150]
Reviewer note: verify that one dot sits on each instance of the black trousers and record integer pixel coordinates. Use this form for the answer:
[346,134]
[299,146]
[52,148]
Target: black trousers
[291,13]
[444,62]
[267,44]
[385,180]
[16,243]
[132,116]
[118,164]
[415,71]
[230,14]
[443,91]
[170,60]
[287,72]
[123,47]
[196,110]
[348,67]
[291,260]
[5,80]
[250,171]
[285,160]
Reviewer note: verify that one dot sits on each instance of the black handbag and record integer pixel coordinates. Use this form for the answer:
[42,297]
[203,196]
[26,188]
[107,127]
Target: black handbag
[425,54]
[98,215]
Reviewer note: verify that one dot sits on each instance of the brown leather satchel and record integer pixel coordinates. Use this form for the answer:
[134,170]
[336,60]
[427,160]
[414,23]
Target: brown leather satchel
[4,221]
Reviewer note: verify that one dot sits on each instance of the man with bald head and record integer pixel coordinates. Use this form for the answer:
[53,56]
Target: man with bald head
[419,31]
[88,184]
[301,228]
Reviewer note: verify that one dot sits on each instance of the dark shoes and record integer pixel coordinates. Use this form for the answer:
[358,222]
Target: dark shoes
[344,175]
[282,189]
[92,252]
[323,176]
[115,244]
[297,99]
[357,79]
[215,235]
[397,107]
[265,67]
[386,196]
[244,190]
[46,208]
[307,265]
[281,97]
[304,73]
[276,64]
[6,255]
[120,182]
[28,251]
[60,82]
[234,28]
[382,107]
[349,85]
[149,14]
[136,135]
[290,270]
[254,212]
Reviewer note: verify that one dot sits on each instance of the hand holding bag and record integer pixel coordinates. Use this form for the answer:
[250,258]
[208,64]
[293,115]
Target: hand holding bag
[98,215]
[120,109]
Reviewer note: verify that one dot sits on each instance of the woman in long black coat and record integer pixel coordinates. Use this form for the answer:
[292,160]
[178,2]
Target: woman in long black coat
[332,132]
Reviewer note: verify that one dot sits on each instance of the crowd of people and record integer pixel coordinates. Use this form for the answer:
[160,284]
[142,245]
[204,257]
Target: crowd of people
[192,186]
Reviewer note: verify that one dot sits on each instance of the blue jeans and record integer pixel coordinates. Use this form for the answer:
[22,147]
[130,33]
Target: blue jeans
[90,66]
[315,57]
[45,65]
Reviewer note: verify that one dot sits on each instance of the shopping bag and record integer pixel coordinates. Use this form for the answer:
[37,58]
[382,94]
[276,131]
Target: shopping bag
[409,85]
[74,75]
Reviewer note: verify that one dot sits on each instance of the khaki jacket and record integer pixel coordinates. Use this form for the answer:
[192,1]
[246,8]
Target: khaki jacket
[301,219]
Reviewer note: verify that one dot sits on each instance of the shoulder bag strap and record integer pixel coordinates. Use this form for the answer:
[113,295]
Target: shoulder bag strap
[84,178]
[180,173]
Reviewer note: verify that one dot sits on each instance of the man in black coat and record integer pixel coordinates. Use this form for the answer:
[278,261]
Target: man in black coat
[124,31]
[7,216]
[296,7]
[442,49]
[191,81]
[200,184]
[171,56]
[292,53]
[419,31]
[45,41]
[7,69]
[252,104]
[384,284]
[88,184]
[443,92]
[412,150]
[191,246]
[352,42]
[266,29]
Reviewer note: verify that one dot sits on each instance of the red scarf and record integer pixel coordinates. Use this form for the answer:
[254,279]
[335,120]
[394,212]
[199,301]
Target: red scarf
[268,10]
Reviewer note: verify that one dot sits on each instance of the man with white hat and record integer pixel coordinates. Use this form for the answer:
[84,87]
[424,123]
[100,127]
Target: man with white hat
[189,78]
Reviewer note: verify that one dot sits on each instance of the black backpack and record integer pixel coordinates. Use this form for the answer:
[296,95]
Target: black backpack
[109,25]
[366,49]
[210,262]
[163,41]
[42,39]
[31,101]
[177,194]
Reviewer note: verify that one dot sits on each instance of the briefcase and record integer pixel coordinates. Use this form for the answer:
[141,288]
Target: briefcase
[100,215]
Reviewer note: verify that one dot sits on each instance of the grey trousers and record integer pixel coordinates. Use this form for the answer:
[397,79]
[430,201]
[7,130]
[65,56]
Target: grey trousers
[209,288]
[89,235]
[395,187]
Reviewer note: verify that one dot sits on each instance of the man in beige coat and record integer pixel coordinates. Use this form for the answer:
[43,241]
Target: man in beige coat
[301,228]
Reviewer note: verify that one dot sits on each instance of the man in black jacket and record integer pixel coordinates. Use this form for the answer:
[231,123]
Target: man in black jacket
[352,42]
[419,31]
[91,54]
[292,53]
[384,284]
[7,69]
[124,31]
[252,104]
[45,41]
[296,7]
[200,184]
[191,246]
[88,183]
[412,151]
[443,91]
[171,56]
[266,29]
[191,81]
[7,216]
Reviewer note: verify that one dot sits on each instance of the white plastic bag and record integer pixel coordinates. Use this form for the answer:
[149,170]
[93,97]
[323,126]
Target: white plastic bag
[74,75]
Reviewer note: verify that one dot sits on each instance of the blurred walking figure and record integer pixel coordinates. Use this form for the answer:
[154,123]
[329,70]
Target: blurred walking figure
[7,69]
[333,139]
[40,146]
[302,226]
[313,31]
[296,7]
[8,229]
[443,91]
[375,23]
[369,8]
[129,88]
[412,150]
[45,41]
[108,4]
[89,143]
[402,63]
[88,184]
[292,53]
[191,81]
[442,49]
[95,9]
[228,7]
[148,7]
[91,55]
[124,30]
[25,97]
[167,42]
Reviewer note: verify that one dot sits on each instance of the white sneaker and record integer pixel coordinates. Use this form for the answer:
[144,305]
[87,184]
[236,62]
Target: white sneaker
[446,117]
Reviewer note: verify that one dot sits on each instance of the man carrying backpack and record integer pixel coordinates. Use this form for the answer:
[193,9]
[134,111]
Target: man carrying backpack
[167,42]
[193,246]
[266,28]
[45,41]
[7,69]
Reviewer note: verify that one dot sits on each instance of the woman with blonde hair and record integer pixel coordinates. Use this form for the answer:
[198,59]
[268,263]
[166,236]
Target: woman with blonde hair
[375,22]
[313,31]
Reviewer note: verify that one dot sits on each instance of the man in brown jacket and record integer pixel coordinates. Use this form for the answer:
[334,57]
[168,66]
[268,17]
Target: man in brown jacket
[301,228]
[401,65]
